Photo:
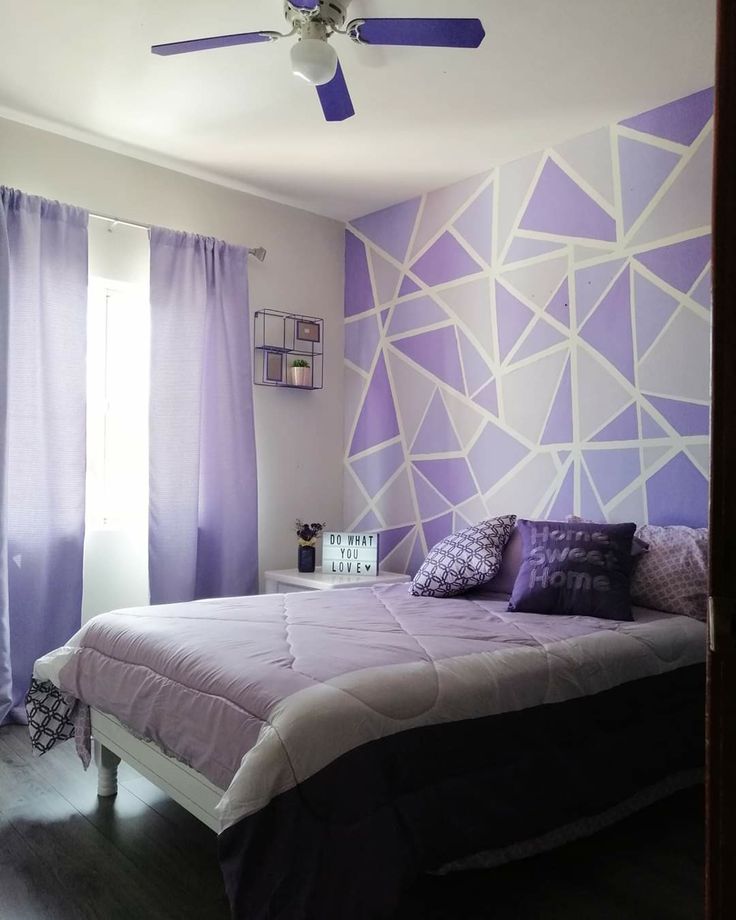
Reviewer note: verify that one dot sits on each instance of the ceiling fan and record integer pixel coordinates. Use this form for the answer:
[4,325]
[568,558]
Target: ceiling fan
[315,60]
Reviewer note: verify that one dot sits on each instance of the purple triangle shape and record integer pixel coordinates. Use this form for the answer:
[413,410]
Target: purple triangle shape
[384,316]
[608,329]
[477,372]
[438,529]
[512,318]
[488,398]
[650,428]
[445,261]
[391,228]
[388,540]
[476,222]
[451,478]
[680,264]
[436,434]
[613,470]
[559,305]
[644,169]
[375,470]
[541,337]
[563,503]
[678,494]
[435,351]
[589,506]
[429,500]
[686,418]
[358,290]
[654,307]
[559,206]
[413,314]
[377,421]
[558,429]
[408,286]
[680,121]
[625,427]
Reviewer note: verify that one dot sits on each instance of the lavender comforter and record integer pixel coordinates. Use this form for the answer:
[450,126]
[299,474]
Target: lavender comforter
[363,736]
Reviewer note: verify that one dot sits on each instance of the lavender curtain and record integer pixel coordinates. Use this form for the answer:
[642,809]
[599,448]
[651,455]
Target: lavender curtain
[203,523]
[43,340]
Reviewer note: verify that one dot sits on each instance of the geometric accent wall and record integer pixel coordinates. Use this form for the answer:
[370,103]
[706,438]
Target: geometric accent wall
[536,340]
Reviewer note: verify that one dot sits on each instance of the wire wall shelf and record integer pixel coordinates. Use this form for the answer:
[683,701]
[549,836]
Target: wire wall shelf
[288,350]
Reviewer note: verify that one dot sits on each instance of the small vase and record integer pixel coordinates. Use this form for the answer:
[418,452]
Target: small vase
[300,376]
[306,558]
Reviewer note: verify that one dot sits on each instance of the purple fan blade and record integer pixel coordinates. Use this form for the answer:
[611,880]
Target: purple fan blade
[335,98]
[304,4]
[217,41]
[438,33]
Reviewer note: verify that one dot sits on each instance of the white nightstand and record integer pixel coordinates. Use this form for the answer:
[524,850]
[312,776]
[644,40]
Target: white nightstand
[286,581]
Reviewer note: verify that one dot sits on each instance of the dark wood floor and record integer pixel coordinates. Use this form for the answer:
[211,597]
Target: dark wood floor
[66,854]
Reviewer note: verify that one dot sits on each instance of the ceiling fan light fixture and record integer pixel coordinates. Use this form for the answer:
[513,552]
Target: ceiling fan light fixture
[314,60]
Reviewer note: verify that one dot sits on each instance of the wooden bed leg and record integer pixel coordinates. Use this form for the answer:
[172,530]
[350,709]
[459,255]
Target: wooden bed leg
[107,771]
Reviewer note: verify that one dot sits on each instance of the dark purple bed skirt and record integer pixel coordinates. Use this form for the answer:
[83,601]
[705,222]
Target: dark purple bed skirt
[348,842]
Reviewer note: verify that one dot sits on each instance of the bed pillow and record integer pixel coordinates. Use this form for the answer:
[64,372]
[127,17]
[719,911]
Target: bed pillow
[464,560]
[576,569]
[513,554]
[638,546]
[673,575]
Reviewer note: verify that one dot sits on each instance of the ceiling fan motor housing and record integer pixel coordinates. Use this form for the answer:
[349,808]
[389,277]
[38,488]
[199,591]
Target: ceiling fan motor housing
[332,13]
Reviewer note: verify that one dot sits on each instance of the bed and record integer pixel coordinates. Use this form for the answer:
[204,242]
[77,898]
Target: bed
[342,743]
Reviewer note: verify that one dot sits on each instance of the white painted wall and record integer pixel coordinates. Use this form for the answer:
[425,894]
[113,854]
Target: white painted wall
[299,434]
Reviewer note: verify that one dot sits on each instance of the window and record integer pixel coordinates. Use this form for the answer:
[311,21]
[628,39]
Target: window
[118,349]
[118,330]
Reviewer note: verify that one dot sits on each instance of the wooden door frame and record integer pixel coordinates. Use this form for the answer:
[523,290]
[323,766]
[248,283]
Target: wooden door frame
[721,701]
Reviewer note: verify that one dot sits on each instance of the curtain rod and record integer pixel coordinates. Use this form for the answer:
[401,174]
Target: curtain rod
[259,252]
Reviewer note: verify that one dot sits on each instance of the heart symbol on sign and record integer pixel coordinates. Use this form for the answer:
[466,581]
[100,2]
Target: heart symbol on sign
[367,568]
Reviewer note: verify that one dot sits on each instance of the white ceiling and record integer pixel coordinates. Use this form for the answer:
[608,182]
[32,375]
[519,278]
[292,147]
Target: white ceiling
[548,70]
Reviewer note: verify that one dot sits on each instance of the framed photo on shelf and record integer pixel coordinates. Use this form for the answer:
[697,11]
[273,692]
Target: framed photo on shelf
[274,370]
[307,331]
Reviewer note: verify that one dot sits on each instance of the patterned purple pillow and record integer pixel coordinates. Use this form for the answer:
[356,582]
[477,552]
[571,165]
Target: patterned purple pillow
[673,575]
[464,560]
[576,569]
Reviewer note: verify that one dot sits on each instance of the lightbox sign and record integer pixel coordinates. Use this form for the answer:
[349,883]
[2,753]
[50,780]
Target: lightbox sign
[350,554]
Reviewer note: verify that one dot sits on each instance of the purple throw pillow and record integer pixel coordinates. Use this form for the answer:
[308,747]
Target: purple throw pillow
[576,569]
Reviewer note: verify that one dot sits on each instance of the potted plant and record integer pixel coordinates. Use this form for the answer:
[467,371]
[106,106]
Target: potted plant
[300,373]
[308,534]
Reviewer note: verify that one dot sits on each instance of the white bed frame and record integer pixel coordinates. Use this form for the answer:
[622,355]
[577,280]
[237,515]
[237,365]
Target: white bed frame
[113,743]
